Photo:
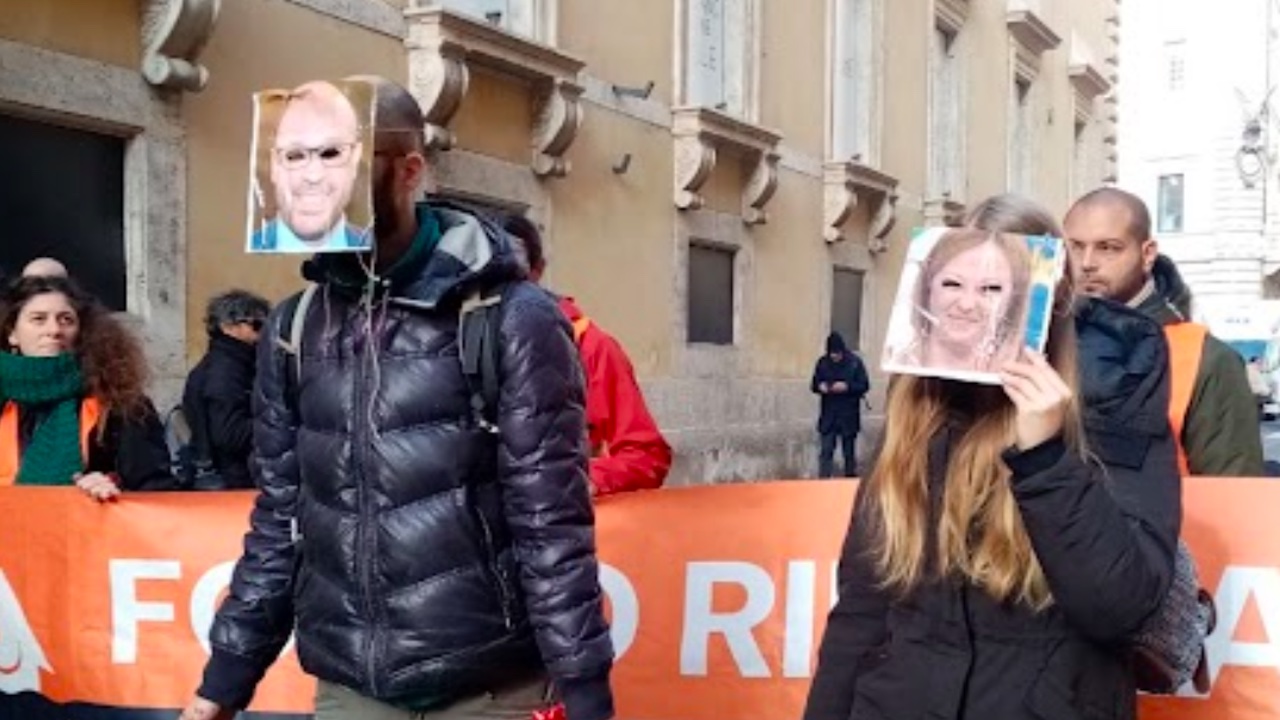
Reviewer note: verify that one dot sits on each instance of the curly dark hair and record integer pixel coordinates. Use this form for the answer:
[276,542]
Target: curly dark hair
[111,357]
[234,306]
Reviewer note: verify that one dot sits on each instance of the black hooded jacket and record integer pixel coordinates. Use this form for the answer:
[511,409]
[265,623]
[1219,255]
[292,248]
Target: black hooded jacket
[841,411]
[216,401]
[418,556]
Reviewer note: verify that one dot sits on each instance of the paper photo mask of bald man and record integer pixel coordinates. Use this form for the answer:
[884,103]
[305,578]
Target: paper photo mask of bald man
[309,181]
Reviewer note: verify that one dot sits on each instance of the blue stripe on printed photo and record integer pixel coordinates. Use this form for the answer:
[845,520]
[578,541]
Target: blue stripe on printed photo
[1037,310]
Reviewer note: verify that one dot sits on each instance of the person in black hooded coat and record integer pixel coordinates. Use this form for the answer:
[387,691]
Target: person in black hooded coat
[841,380]
[216,399]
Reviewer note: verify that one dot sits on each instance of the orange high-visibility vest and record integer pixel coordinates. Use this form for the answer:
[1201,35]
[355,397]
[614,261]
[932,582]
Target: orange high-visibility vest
[580,328]
[1186,346]
[10,460]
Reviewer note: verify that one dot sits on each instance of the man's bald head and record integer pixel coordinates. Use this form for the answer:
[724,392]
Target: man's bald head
[1115,200]
[1108,234]
[45,267]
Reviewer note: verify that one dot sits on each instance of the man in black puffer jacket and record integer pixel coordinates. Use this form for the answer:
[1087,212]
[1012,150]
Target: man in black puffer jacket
[428,566]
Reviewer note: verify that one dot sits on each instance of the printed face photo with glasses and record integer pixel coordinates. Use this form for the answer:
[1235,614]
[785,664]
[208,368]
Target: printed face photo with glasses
[310,150]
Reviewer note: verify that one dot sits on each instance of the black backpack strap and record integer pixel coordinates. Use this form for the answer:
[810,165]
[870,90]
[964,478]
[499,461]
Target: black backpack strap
[479,322]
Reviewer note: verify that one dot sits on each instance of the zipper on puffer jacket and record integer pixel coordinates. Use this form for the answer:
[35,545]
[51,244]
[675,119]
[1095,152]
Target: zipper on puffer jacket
[366,550]
[495,569]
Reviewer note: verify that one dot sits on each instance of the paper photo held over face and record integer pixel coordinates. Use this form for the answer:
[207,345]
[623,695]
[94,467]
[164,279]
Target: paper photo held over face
[969,300]
[310,169]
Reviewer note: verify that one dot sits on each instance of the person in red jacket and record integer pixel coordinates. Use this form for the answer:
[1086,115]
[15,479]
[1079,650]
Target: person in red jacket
[628,451]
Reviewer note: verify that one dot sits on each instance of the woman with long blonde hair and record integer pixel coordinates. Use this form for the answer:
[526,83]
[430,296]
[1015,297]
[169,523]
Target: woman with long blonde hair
[1010,539]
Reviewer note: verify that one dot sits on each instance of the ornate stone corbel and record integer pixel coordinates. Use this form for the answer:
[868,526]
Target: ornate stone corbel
[845,186]
[558,119]
[700,135]
[838,203]
[174,32]
[438,78]
[443,48]
[695,159]
[882,222]
[760,188]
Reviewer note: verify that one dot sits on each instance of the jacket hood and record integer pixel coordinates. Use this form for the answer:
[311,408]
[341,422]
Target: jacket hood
[1171,287]
[1123,364]
[471,249]
[835,344]
[570,308]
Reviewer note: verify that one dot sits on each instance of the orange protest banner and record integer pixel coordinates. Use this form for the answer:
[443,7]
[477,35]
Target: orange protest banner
[731,587]
[718,596]
[1231,525]
[118,598]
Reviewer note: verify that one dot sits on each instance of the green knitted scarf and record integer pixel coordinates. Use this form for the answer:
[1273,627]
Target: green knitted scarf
[52,456]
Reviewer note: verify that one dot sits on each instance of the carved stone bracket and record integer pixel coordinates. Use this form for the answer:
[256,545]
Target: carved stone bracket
[558,119]
[760,187]
[439,79]
[174,33]
[443,49]
[950,15]
[701,134]
[944,211]
[1032,38]
[695,159]
[845,185]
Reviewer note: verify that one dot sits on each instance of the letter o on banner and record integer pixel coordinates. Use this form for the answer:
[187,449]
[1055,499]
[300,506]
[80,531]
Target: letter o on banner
[622,597]
[204,598]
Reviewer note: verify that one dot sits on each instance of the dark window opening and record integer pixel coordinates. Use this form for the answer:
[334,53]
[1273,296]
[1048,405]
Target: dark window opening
[63,197]
[710,295]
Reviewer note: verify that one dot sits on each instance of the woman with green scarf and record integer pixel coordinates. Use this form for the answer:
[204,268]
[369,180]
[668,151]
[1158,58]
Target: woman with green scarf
[73,407]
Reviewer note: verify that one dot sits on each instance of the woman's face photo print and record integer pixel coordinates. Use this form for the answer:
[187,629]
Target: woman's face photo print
[969,300]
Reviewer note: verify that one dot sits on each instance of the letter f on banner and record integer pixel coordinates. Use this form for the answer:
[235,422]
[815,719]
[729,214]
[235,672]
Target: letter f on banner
[127,611]
[21,657]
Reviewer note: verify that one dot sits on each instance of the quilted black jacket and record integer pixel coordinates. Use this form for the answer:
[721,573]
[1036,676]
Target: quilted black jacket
[417,555]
